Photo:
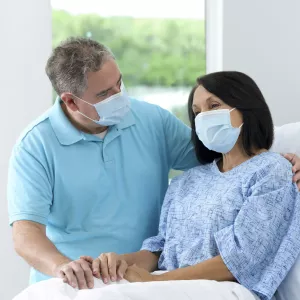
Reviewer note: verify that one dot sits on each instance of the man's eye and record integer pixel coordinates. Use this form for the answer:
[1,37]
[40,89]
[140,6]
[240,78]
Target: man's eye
[103,94]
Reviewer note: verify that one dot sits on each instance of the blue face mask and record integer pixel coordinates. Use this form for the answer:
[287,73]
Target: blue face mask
[215,131]
[112,110]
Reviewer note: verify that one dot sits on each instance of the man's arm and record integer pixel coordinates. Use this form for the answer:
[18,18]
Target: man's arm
[30,198]
[32,244]
[180,148]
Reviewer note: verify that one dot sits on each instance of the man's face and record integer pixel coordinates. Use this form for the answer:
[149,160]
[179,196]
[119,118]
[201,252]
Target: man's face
[100,85]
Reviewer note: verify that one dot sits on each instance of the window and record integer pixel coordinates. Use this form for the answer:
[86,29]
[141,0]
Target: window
[159,45]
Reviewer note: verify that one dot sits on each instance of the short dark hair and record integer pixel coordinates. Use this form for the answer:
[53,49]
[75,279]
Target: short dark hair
[241,92]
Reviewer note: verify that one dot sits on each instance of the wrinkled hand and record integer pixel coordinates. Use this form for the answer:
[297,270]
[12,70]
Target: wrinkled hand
[77,273]
[108,266]
[136,274]
[295,161]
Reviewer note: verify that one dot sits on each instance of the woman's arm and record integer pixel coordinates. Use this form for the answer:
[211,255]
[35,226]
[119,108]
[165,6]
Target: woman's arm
[261,245]
[211,269]
[143,259]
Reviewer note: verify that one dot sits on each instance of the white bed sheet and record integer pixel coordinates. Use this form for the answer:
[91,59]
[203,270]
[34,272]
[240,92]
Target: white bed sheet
[174,290]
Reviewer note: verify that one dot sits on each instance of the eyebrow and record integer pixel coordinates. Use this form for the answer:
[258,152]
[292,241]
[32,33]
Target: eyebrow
[105,91]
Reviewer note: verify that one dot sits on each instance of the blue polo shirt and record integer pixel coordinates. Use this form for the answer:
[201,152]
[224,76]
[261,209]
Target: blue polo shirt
[96,195]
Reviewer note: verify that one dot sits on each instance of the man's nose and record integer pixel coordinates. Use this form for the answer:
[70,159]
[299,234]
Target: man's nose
[116,89]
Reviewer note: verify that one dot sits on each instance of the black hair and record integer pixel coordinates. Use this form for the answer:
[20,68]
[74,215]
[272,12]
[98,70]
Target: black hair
[241,92]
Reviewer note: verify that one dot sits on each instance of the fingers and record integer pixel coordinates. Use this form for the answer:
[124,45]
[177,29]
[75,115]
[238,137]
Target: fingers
[296,179]
[61,274]
[104,268]
[298,184]
[79,273]
[112,265]
[89,259]
[296,164]
[290,157]
[88,274]
[122,269]
[70,276]
[108,266]
[96,267]
[295,161]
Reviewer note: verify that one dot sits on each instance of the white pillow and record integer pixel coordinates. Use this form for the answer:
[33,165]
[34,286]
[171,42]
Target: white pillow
[287,139]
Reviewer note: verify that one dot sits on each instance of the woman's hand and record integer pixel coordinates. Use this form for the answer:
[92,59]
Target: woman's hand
[108,266]
[136,274]
[295,161]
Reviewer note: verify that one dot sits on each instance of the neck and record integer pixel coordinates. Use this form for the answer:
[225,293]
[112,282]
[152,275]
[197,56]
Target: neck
[235,157]
[87,128]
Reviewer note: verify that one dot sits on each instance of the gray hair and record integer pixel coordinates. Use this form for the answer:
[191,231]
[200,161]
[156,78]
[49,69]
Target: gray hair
[70,62]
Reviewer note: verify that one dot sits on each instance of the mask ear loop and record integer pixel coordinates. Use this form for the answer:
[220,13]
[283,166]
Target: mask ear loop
[78,111]
[233,110]
[87,116]
[84,101]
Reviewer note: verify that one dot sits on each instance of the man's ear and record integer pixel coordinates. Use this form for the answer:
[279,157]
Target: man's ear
[69,101]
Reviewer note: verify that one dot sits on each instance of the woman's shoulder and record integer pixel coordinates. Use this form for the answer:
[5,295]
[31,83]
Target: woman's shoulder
[270,169]
[271,162]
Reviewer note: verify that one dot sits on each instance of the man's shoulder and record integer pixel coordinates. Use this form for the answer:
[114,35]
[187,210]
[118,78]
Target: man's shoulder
[153,113]
[36,130]
[141,106]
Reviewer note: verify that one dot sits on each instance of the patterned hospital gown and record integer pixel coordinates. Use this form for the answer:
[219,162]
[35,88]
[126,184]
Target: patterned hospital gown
[249,215]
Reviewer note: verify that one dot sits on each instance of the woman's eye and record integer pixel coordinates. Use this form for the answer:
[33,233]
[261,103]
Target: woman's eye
[215,105]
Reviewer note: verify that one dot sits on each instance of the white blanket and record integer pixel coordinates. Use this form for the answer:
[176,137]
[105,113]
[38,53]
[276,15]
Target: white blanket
[175,290]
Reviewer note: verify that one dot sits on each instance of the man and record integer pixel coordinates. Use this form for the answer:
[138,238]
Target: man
[89,176]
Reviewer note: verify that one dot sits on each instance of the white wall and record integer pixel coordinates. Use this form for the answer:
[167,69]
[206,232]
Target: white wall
[25,31]
[262,39]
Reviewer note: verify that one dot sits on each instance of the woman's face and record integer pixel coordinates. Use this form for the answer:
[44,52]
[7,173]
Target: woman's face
[205,101]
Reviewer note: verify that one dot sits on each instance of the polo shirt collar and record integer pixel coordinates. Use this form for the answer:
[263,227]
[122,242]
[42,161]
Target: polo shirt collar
[64,130]
[67,134]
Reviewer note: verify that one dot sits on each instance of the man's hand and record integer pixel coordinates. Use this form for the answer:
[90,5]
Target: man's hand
[295,161]
[108,266]
[77,273]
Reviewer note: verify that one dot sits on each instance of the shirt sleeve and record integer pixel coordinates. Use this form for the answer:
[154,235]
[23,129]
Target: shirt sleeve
[156,243]
[180,148]
[263,243]
[29,190]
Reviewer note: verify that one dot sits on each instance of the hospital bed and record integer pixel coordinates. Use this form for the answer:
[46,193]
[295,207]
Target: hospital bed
[287,139]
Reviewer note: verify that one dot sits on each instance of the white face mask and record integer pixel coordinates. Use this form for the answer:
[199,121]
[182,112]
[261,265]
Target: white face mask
[111,110]
[215,131]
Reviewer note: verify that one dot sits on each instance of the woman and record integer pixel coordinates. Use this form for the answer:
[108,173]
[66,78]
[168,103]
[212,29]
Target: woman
[234,218]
